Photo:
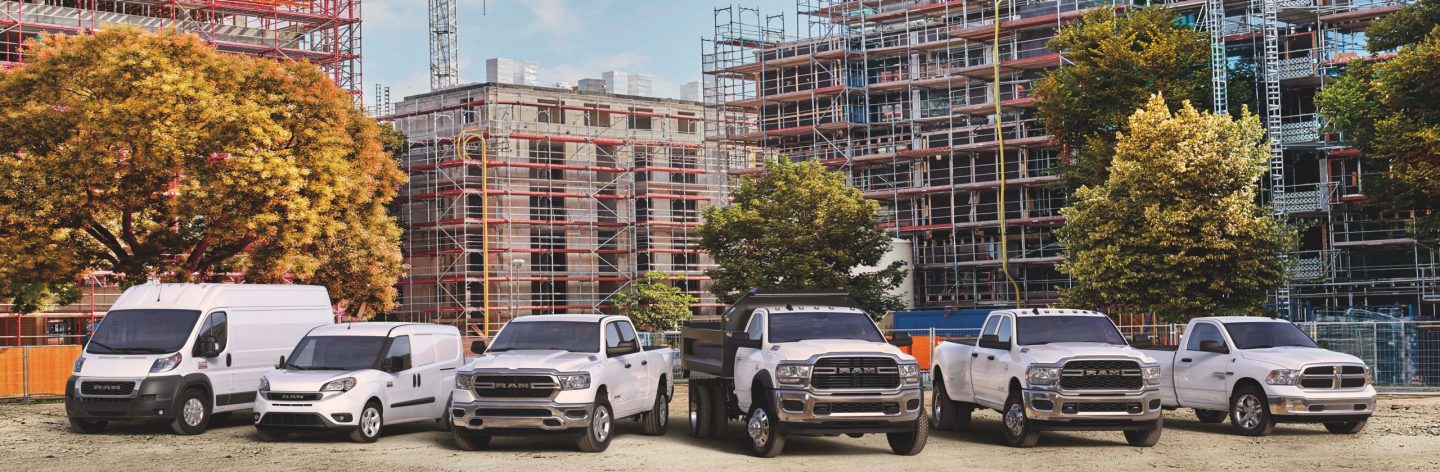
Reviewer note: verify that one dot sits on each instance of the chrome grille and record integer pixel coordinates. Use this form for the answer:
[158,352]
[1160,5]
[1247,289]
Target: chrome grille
[855,372]
[1101,375]
[1324,377]
[514,386]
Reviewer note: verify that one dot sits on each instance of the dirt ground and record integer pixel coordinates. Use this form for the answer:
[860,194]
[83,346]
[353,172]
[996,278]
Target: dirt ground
[1404,435]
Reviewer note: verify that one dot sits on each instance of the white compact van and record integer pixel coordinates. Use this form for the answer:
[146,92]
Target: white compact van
[183,352]
[359,377]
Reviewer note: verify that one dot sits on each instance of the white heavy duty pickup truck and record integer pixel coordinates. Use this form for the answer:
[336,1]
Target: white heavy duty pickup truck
[1049,370]
[1260,371]
[562,374]
[802,363]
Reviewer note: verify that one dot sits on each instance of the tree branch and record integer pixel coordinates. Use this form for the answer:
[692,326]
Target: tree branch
[103,235]
[220,255]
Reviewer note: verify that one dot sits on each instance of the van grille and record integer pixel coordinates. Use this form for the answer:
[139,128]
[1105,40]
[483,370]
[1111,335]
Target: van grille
[1101,375]
[514,386]
[114,389]
[291,419]
[855,372]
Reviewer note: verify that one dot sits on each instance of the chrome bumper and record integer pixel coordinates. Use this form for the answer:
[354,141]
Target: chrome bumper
[545,416]
[799,406]
[1319,407]
[1048,405]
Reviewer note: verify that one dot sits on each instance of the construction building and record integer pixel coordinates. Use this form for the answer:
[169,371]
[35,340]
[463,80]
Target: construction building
[922,108]
[553,201]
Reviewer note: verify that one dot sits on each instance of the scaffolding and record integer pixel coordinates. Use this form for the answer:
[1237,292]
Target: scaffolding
[323,32]
[531,200]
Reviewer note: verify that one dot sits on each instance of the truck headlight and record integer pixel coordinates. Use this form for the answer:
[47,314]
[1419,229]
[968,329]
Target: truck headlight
[339,385]
[264,385]
[1282,377]
[165,364]
[793,374]
[1369,378]
[910,373]
[574,381]
[80,362]
[1042,375]
[1151,373]
[464,381]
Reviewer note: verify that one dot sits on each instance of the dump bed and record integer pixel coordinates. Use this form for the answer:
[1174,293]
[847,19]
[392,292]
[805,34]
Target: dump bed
[704,344]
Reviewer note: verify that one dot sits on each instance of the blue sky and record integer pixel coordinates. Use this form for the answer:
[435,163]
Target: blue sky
[570,39]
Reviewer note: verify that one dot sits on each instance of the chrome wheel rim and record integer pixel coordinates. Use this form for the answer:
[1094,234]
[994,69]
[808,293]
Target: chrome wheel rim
[600,428]
[194,411]
[759,428]
[664,411]
[1015,419]
[1247,411]
[370,422]
[694,415]
[935,407]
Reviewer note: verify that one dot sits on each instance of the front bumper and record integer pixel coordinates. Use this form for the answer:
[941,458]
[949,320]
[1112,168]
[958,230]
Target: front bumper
[1322,408]
[520,417]
[152,398]
[332,411]
[804,411]
[1093,411]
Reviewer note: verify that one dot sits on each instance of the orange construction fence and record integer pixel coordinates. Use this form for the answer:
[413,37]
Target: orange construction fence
[920,348]
[35,371]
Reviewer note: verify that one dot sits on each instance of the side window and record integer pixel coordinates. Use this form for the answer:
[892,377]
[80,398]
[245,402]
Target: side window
[756,330]
[612,335]
[1204,332]
[1003,332]
[627,332]
[400,348]
[990,326]
[214,326]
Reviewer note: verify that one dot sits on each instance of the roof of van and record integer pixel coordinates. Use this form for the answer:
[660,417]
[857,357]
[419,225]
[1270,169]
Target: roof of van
[1049,312]
[206,296]
[381,329]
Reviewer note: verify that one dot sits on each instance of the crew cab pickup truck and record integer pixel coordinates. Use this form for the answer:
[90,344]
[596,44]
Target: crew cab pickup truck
[801,363]
[561,374]
[1049,370]
[1261,371]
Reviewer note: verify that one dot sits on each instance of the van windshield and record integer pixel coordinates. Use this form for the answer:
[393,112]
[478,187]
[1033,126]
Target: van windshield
[572,336]
[343,353]
[793,327]
[142,331]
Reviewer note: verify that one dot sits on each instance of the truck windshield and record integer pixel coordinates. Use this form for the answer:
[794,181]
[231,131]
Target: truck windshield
[572,336]
[792,327]
[143,331]
[1261,335]
[1035,330]
[344,353]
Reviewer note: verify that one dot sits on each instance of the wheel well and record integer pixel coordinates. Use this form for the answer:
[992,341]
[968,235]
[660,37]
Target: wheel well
[601,393]
[759,386]
[1015,386]
[1246,382]
[662,389]
[377,402]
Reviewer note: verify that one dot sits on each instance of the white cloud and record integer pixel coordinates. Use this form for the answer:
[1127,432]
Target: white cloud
[555,19]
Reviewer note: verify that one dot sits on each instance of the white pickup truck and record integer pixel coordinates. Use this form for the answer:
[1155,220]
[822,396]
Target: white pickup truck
[1049,370]
[802,363]
[566,374]
[1260,371]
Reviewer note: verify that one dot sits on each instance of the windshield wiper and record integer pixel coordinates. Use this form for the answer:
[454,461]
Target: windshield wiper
[141,350]
[1260,346]
[104,346]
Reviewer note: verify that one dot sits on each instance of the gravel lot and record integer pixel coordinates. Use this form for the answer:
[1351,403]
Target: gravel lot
[1405,435]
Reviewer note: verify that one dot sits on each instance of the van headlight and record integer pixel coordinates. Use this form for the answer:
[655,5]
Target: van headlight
[580,381]
[80,362]
[1282,377]
[339,385]
[264,385]
[793,374]
[464,380]
[1042,375]
[910,373]
[165,364]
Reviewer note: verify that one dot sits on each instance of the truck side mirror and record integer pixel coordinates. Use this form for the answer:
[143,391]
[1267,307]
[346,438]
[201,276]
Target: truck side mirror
[992,341]
[900,339]
[477,347]
[740,339]
[1213,346]
[281,364]
[625,347]
[1323,344]
[1142,340]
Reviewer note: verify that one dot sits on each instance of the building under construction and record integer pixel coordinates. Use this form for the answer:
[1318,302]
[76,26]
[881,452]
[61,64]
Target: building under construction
[534,200]
[925,105]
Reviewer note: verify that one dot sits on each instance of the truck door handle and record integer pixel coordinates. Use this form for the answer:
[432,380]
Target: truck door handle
[974,354]
[227,360]
[1187,359]
[627,365]
[990,357]
[645,362]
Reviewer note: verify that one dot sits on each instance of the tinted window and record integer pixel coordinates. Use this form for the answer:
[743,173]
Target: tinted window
[214,327]
[573,336]
[1261,335]
[612,336]
[336,353]
[1003,332]
[399,348]
[143,332]
[792,327]
[1035,330]
[627,335]
[1204,332]
[756,331]
[989,327]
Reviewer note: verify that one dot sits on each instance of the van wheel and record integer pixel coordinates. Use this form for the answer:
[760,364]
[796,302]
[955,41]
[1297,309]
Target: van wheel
[194,413]
[1146,437]
[763,432]
[912,442]
[1250,412]
[1019,431]
[596,437]
[1210,416]
[372,418]
[1348,427]
[84,426]
[467,440]
[656,421]
[271,435]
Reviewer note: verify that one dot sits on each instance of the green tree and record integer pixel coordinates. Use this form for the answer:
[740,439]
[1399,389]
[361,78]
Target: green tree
[1175,229]
[653,303]
[1113,62]
[798,226]
[155,155]
[1390,111]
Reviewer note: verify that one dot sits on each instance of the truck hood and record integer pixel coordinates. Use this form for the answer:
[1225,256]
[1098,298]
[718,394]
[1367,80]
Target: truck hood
[303,380]
[1055,352]
[562,361]
[1289,357]
[120,366]
[802,350]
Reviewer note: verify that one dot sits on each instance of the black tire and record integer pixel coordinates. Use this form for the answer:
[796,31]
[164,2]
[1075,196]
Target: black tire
[270,435]
[1210,416]
[657,421]
[855,435]
[467,440]
[371,423]
[912,442]
[1347,427]
[762,430]
[700,411]
[444,420]
[1250,412]
[193,414]
[1019,430]
[947,414]
[601,429]
[719,405]
[1146,437]
[84,426]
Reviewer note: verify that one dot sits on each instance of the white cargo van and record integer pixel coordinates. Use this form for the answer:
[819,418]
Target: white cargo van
[182,352]
[358,377]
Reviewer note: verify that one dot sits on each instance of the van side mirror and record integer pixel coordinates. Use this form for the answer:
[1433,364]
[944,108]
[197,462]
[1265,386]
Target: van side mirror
[1213,346]
[899,339]
[1142,340]
[477,347]
[207,346]
[393,364]
[281,364]
[991,341]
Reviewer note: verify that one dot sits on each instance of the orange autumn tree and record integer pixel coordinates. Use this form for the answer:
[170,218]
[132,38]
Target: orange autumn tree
[155,155]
